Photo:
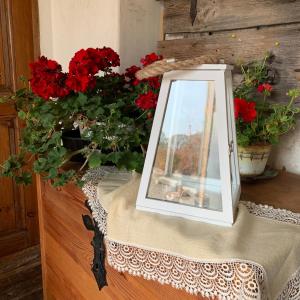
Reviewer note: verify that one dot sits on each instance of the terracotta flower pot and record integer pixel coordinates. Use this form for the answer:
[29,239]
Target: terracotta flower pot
[253,159]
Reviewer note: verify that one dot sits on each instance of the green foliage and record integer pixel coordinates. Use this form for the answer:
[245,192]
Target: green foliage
[253,74]
[273,119]
[113,127]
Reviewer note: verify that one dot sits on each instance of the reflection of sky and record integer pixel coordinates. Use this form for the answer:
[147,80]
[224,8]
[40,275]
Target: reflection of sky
[186,108]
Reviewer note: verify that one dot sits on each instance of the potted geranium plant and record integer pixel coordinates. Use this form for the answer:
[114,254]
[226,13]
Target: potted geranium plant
[113,111]
[260,122]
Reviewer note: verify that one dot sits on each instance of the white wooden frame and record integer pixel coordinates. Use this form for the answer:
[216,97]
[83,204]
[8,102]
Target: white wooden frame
[229,172]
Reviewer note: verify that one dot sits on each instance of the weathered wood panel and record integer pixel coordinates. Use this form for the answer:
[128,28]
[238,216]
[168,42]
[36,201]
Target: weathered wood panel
[215,15]
[243,46]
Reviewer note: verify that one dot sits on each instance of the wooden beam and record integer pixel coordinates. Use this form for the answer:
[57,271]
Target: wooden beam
[244,46]
[228,14]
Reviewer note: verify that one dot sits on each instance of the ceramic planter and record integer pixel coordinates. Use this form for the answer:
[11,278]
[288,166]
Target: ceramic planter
[253,159]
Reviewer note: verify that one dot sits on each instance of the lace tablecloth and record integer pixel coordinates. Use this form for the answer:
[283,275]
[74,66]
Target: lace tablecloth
[233,278]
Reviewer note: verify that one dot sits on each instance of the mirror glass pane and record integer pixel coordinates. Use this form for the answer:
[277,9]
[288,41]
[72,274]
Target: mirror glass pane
[186,165]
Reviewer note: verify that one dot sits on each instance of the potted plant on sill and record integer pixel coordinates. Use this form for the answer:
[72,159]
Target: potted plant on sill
[113,111]
[259,122]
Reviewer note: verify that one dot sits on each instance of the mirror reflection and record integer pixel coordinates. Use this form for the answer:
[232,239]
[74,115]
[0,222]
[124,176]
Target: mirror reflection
[186,165]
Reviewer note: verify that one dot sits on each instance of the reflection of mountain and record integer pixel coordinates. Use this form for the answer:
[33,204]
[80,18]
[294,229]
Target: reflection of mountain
[184,152]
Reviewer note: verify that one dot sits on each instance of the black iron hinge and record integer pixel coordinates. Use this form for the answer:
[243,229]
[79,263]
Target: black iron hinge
[98,265]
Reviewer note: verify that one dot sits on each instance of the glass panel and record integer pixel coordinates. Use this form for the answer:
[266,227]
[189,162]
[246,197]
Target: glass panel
[186,165]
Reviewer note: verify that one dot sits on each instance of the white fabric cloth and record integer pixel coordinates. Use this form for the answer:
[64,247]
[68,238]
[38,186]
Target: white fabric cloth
[257,258]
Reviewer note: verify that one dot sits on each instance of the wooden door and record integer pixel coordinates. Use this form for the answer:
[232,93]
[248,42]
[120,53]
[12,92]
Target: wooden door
[18,47]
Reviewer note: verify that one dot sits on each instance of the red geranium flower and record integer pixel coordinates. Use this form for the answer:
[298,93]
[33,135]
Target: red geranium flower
[86,63]
[130,72]
[264,87]
[80,83]
[150,58]
[147,101]
[237,106]
[244,110]
[249,112]
[48,80]
[154,82]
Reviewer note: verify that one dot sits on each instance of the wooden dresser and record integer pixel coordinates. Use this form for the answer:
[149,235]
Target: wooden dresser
[67,253]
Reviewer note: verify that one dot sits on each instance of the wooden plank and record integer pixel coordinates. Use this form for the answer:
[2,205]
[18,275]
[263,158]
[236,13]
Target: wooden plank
[40,194]
[6,64]
[11,242]
[22,284]
[215,15]
[67,255]
[244,46]
[19,262]
[37,295]
[286,187]
[7,189]
[20,275]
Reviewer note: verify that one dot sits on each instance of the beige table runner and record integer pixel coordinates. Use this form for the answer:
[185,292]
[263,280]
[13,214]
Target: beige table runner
[257,258]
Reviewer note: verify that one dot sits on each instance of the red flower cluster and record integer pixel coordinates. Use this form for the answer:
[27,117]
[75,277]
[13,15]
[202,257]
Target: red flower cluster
[130,75]
[48,80]
[154,82]
[264,87]
[147,101]
[150,58]
[86,63]
[244,110]
[130,72]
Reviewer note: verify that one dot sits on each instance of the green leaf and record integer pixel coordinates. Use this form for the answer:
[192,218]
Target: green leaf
[21,92]
[22,115]
[132,161]
[25,178]
[52,173]
[114,157]
[82,99]
[80,183]
[95,159]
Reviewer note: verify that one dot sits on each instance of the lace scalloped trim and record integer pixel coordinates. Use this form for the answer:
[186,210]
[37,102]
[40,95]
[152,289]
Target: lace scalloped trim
[92,179]
[292,288]
[231,279]
[270,212]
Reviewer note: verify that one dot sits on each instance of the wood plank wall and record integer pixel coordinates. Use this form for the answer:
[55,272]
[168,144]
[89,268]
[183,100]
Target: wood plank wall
[237,31]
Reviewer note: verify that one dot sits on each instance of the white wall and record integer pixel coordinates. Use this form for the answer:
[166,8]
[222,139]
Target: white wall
[287,153]
[46,32]
[130,27]
[140,29]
